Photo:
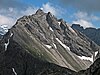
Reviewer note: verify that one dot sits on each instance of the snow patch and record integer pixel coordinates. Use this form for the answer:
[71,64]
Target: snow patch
[11,34]
[48,46]
[66,47]
[96,53]
[55,46]
[6,45]
[14,71]
[86,58]
[4,27]
[59,23]
[51,29]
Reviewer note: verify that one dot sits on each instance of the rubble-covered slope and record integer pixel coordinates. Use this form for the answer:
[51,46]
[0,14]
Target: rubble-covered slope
[17,61]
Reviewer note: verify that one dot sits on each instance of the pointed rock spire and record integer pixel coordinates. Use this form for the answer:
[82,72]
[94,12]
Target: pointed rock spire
[49,14]
[39,12]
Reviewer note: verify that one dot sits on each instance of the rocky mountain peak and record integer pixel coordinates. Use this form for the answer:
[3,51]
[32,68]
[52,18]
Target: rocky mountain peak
[39,12]
[49,14]
[43,39]
[47,28]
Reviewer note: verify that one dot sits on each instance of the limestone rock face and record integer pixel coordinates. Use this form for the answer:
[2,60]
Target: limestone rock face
[40,44]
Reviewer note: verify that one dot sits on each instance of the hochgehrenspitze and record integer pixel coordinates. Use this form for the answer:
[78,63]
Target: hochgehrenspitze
[38,40]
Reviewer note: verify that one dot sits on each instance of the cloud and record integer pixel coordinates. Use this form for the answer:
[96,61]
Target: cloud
[54,9]
[84,19]
[10,15]
[49,8]
[86,16]
[29,11]
[81,15]
[4,20]
[83,5]
[11,9]
[83,23]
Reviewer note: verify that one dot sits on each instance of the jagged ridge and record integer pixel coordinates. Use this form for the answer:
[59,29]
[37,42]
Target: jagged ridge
[45,38]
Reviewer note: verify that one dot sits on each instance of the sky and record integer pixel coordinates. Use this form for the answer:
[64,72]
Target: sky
[83,12]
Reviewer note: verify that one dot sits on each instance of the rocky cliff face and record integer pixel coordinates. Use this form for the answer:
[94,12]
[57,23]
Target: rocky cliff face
[92,33]
[38,43]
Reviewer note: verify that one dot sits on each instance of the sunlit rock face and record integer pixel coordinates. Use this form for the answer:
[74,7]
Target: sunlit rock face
[40,44]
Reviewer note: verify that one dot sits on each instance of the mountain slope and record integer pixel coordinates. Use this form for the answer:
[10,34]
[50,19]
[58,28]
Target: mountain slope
[48,39]
[16,61]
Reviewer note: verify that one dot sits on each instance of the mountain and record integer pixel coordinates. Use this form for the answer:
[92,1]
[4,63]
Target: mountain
[92,33]
[17,61]
[41,44]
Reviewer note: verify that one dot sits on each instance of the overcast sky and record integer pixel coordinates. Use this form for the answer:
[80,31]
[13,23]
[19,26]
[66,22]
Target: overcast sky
[84,12]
